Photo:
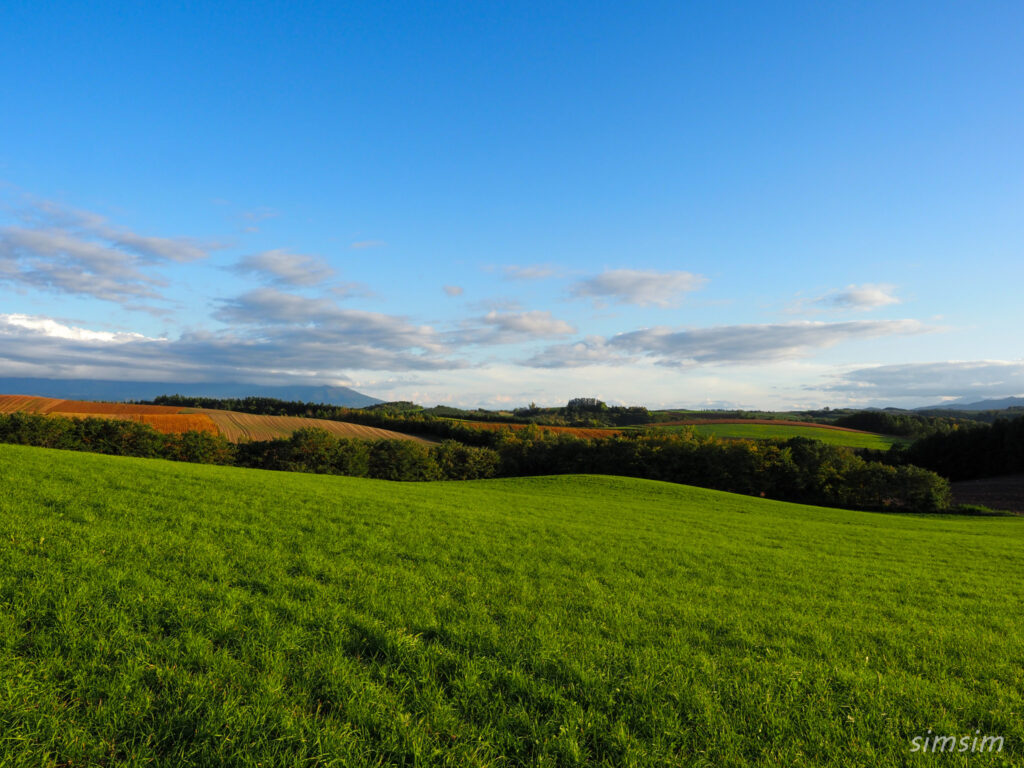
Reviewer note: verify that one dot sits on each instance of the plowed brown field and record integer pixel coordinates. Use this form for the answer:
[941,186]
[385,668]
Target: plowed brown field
[118,409]
[248,426]
[1006,492]
[26,404]
[168,423]
[171,419]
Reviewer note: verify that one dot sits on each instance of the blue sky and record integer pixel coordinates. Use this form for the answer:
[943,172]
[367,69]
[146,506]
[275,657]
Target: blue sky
[685,204]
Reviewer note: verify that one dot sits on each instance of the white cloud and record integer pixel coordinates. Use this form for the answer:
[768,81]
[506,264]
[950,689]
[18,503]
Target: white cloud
[64,263]
[498,327]
[453,290]
[319,335]
[361,244]
[728,344]
[325,342]
[534,323]
[642,288]
[79,253]
[286,268]
[593,350]
[867,296]
[178,249]
[949,379]
[51,328]
[532,272]
[857,298]
[351,290]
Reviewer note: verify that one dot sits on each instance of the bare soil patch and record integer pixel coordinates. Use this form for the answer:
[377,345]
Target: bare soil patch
[1004,493]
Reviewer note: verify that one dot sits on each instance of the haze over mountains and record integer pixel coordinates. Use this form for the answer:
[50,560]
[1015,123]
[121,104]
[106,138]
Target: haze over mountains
[965,404]
[89,389]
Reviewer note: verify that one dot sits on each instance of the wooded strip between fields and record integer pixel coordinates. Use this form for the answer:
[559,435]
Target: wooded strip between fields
[797,469]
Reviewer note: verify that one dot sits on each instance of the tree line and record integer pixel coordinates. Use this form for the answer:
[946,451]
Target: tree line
[900,423]
[969,452]
[797,469]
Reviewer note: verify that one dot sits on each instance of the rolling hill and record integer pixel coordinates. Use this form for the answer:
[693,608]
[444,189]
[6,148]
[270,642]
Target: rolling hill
[166,614]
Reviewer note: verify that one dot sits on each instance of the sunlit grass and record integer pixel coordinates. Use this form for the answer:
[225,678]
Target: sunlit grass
[154,613]
[842,437]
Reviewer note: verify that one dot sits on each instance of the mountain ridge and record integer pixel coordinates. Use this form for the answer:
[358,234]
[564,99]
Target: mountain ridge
[101,389]
[980,405]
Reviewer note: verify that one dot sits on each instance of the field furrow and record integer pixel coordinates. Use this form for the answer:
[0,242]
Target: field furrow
[168,423]
[249,426]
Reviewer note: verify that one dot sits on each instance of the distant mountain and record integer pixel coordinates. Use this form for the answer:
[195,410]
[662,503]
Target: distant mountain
[89,389]
[982,405]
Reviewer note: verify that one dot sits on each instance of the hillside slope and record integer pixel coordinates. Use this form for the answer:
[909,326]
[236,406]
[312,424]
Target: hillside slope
[154,613]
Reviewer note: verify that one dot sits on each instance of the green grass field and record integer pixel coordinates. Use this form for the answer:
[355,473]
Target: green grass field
[165,614]
[784,432]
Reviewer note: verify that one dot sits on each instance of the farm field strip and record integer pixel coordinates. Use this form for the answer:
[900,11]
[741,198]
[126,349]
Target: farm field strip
[769,422]
[746,429]
[739,430]
[494,426]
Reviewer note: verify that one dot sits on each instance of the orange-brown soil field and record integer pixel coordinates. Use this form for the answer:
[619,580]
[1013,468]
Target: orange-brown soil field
[168,423]
[170,419]
[118,409]
[248,426]
[27,404]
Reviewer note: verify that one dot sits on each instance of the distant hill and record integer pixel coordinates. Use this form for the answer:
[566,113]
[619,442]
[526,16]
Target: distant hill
[982,405]
[118,391]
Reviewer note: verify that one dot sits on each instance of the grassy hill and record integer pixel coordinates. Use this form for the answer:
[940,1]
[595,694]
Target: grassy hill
[155,613]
